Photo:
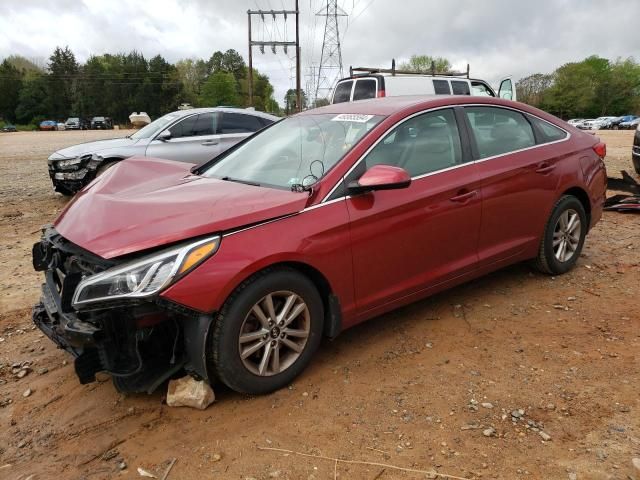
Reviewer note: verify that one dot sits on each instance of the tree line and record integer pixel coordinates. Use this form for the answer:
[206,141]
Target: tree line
[115,85]
[591,88]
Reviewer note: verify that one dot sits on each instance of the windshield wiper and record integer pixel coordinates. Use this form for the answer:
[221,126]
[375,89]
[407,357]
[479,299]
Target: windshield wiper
[238,180]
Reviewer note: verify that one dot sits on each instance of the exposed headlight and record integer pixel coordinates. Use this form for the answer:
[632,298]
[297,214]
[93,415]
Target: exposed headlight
[145,277]
[69,163]
[77,175]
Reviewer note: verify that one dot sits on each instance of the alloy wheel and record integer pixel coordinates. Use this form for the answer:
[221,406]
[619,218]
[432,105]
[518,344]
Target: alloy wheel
[566,235]
[274,333]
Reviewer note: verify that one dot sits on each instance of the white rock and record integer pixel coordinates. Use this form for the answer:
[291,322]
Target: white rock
[143,473]
[189,392]
[487,405]
[489,432]
[26,393]
[635,468]
[545,436]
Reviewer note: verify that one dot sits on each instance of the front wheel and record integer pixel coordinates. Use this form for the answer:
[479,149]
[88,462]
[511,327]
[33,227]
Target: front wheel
[267,332]
[563,237]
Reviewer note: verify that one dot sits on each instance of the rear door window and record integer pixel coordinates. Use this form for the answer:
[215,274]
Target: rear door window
[365,88]
[239,123]
[206,124]
[441,87]
[546,131]
[343,92]
[498,130]
[460,87]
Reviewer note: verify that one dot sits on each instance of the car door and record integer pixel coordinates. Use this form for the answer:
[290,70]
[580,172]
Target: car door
[506,89]
[234,127]
[406,240]
[518,181]
[193,139]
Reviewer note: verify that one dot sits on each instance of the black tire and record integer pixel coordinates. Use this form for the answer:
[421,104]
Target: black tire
[547,261]
[64,191]
[223,353]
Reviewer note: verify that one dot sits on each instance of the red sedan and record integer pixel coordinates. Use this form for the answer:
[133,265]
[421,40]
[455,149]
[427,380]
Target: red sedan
[235,270]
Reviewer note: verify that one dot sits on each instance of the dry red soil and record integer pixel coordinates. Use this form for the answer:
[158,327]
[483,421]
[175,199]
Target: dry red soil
[404,390]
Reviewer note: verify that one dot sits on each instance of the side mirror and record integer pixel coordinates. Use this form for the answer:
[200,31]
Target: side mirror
[381,177]
[164,136]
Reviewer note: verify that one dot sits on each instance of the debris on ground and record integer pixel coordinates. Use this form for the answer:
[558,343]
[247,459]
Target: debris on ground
[144,473]
[189,392]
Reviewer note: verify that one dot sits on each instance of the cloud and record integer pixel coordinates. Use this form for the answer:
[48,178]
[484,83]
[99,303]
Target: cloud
[496,37]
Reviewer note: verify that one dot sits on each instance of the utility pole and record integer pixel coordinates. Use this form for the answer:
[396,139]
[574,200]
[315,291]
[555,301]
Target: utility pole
[274,44]
[330,68]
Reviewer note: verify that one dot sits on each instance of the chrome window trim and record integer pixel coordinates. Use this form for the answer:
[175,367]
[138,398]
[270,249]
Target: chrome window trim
[417,177]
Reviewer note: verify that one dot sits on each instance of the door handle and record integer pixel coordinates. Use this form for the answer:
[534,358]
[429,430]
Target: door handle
[209,143]
[544,168]
[464,196]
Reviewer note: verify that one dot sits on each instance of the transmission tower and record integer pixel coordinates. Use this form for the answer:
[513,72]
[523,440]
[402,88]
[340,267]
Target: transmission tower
[330,68]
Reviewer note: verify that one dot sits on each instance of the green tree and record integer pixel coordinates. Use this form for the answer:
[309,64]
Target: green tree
[532,89]
[219,89]
[425,63]
[230,62]
[10,86]
[62,81]
[33,101]
[291,101]
[192,73]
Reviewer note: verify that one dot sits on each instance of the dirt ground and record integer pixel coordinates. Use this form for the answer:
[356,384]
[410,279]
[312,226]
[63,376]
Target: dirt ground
[510,355]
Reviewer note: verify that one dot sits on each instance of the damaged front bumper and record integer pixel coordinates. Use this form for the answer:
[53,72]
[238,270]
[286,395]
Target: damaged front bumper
[69,175]
[140,343]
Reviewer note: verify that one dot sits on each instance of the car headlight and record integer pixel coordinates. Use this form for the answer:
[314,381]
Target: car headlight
[144,277]
[69,163]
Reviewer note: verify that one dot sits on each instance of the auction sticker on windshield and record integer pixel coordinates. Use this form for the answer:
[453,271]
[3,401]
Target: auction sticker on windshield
[352,117]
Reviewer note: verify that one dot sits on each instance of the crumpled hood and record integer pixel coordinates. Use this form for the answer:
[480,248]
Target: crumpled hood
[92,147]
[142,203]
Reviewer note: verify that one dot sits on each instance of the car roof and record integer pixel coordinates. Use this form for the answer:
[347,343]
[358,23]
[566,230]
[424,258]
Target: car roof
[398,104]
[245,111]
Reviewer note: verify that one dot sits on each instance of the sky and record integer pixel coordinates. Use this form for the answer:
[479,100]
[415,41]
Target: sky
[498,38]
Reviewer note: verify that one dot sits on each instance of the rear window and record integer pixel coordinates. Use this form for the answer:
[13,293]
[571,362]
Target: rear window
[547,131]
[441,87]
[343,92]
[365,88]
[460,88]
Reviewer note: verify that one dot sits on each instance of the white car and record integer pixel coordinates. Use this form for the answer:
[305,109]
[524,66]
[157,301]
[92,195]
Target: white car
[601,123]
[574,122]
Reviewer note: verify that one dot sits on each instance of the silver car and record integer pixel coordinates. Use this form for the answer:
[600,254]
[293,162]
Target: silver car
[195,136]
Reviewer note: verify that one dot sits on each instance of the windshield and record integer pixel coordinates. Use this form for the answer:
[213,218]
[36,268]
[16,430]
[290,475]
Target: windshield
[297,151]
[156,126]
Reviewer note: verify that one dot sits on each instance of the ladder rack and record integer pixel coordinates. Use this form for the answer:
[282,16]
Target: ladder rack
[355,71]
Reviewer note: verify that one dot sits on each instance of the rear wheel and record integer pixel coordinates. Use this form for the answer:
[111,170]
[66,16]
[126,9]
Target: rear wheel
[267,332]
[563,237]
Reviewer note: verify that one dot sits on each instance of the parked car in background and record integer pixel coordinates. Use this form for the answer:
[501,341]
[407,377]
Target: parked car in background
[8,127]
[585,124]
[60,126]
[364,83]
[101,123]
[235,270]
[77,123]
[615,124]
[602,123]
[630,125]
[48,125]
[574,122]
[635,150]
[196,136]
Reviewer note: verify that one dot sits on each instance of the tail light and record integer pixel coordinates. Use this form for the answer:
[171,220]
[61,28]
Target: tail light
[601,149]
[381,93]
